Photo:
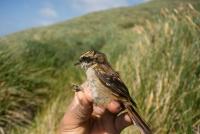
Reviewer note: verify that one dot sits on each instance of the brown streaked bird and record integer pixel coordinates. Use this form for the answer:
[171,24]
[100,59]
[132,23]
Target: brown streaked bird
[106,85]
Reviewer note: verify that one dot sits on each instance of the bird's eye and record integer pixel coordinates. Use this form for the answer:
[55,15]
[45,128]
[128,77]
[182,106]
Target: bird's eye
[86,59]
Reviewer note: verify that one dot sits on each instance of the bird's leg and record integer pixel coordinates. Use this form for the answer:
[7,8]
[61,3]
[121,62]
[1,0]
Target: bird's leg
[76,88]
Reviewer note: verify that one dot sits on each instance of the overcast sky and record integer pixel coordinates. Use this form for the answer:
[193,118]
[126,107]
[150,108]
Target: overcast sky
[16,15]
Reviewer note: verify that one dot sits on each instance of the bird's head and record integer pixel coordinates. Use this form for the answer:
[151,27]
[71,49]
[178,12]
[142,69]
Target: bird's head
[90,58]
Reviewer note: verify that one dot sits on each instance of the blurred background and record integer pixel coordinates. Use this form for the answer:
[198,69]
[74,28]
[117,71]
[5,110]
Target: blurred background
[155,45]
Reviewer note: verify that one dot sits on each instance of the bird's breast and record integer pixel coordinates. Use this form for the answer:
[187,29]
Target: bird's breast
[100,93]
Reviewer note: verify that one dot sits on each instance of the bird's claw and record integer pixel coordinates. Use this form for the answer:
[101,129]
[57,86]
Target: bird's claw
[76,87]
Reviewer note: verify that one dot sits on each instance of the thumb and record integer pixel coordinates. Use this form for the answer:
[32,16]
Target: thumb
[79,111]
[81,107]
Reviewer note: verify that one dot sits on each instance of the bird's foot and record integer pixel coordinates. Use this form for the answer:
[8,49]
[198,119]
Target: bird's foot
[76,88]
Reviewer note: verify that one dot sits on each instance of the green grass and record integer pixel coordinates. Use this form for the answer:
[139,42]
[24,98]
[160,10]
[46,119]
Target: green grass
[155,47]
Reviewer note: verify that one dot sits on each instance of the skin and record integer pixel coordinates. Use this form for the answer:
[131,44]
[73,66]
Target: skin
[83,117]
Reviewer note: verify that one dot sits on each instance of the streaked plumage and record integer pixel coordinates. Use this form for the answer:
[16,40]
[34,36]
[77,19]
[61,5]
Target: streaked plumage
[106,85]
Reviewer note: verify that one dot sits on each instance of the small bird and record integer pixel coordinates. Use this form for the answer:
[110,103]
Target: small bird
[106,85]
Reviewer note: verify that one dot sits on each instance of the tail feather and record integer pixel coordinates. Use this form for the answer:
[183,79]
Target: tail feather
[135,117]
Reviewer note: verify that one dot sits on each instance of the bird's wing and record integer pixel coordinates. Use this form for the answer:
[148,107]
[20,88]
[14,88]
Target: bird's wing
[113,82]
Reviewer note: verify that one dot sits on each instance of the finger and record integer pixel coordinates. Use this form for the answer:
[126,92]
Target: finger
[86,91]
[114,107]
[123,121]
[98,111]
[79,110]
[82,99]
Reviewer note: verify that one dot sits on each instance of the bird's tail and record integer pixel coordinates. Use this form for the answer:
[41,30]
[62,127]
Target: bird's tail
[135,117]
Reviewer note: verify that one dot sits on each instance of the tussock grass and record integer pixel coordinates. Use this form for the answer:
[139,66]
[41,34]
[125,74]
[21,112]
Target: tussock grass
[156,50]
[161,68]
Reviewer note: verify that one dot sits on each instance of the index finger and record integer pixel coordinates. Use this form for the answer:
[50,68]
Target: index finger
[114,107]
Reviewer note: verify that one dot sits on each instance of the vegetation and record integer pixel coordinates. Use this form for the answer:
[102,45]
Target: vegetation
[155,47]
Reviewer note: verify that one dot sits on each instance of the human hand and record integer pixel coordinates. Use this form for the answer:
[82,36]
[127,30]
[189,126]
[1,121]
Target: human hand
[82,117]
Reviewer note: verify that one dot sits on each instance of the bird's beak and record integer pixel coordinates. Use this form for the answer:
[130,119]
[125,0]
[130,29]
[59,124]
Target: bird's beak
[77,63]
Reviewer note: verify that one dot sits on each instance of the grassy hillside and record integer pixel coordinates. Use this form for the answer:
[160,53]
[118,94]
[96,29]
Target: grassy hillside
[155,47]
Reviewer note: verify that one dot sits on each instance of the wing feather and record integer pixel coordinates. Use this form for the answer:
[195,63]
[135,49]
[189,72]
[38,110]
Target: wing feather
[113,82]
